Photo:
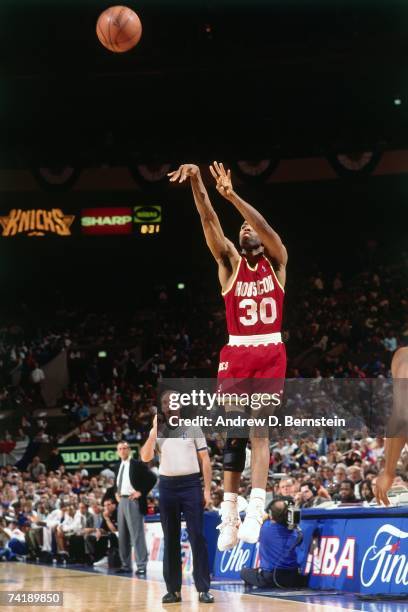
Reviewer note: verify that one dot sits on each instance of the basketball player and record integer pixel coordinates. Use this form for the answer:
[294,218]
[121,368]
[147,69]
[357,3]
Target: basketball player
[252,283]
[395,445]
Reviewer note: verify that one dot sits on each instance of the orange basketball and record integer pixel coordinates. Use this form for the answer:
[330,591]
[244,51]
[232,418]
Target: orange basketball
[119,29]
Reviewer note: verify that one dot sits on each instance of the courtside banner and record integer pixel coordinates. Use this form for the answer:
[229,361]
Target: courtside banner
[107,221]
[228,564]
[262,407]
[360,550]
[93,456]
[155,545]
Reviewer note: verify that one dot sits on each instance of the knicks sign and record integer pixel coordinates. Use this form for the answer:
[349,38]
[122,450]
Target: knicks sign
[36,222]
[106,221]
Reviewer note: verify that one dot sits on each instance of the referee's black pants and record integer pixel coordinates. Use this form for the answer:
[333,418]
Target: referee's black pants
[183,494]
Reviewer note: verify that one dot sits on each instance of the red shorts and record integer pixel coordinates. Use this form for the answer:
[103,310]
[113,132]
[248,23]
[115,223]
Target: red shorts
[250,371]
[264,361]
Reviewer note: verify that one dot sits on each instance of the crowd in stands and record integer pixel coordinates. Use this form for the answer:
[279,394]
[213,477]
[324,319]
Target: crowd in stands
[48,512]
[335,328]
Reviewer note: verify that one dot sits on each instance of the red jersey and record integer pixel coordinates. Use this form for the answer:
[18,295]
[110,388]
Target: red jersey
[254,301]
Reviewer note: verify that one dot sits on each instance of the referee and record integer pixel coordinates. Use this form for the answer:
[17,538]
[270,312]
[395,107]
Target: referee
[180,491]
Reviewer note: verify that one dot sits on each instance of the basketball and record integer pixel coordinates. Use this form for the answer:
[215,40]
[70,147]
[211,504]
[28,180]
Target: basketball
[119,29]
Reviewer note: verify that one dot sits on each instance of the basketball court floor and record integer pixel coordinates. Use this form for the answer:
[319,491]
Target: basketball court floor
[99,591]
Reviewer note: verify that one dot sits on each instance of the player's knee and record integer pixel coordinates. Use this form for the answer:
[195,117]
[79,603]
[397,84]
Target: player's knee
[234,454]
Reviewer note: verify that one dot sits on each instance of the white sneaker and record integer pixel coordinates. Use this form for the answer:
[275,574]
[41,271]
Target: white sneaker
[250,528]
[101,562]
[228,528]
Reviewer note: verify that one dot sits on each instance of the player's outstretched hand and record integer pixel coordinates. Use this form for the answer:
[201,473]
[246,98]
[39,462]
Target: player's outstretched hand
[382,486]
[222,179]
[185,171]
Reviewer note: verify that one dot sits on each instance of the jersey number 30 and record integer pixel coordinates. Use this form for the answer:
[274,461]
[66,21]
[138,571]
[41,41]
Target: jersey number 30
[265,311]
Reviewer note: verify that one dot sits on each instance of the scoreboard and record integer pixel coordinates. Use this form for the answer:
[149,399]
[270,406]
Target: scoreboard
[143,220]
[148,219]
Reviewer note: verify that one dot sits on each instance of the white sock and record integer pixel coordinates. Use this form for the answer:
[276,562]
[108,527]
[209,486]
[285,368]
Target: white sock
[230,502]
[258,494]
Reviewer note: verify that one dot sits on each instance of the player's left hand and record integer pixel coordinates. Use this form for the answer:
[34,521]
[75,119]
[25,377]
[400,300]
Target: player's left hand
[223,179]
[135,495]
[382,486]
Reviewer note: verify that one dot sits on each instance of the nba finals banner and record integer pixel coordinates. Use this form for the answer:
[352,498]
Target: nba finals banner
[360,550]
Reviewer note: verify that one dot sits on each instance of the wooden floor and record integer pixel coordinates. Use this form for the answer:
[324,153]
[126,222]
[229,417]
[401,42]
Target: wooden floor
[91,592]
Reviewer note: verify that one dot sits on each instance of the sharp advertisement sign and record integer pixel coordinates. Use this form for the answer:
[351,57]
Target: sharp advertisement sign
[107,221]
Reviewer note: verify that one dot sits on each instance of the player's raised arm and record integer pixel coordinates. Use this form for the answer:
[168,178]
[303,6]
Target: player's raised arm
[272,242]
[222,249]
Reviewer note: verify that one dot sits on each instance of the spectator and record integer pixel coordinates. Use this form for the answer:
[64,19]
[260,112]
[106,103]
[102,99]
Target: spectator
[64,529]
[340,473]
[104,537]
[36,468]
[346,492]
[55,460]
[366,491]
[285,488]
[390,342]
[37,375]
[309,496]
[15,535]
[354,473]
[107,472]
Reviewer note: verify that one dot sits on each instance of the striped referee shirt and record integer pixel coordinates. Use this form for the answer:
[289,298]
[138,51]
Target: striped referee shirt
[178,456]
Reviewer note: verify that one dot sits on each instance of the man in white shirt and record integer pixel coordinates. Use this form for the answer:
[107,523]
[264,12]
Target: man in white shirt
[83,525]
[96,512]
[64,529]
[55,518]
[133,481]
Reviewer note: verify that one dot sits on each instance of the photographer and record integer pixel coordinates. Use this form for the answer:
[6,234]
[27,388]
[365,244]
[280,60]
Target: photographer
[277,553]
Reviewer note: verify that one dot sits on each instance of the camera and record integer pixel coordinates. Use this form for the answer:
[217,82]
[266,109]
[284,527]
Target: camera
[293,517]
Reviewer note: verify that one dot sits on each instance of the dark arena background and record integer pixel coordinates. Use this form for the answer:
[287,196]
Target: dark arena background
[108,286]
